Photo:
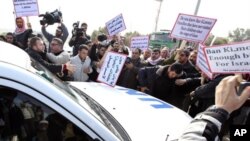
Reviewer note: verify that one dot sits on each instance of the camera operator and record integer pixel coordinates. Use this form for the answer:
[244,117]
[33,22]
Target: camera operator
[61,32]
[208,124]
[78,38]
[84,26]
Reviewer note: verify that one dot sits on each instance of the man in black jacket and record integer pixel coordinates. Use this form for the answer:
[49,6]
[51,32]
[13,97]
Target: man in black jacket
[158,81]
[36,51]
[204,95]
[182,56]
[207,125]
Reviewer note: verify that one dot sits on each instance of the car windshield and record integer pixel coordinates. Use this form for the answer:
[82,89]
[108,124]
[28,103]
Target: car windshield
[92,106]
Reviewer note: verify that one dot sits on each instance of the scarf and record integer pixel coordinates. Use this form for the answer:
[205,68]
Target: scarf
[153,62]
[20,30]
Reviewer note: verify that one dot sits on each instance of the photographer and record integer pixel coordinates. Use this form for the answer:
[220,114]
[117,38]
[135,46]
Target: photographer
[130,70]
[84,26]
[207,125]
[50,19]
[78,38]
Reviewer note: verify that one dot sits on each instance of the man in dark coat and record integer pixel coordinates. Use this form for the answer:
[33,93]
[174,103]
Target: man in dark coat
[152,82]
[182,58]
[204,96]
[164,86]
[36,51]
[128,76]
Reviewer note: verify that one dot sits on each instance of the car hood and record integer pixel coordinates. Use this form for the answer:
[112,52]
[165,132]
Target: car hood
[142,116]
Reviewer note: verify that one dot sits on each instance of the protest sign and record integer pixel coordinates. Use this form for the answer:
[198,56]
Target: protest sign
[202,63]
[231,58]
[141,42]
[111,68]
[24,8]
[192,28]
[116,25]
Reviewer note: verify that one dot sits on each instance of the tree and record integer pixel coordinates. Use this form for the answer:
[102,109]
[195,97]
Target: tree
[218,40]
[100,30]
[239,34]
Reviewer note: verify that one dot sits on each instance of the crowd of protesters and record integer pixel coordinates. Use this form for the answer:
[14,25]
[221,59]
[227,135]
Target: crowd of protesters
[168,74]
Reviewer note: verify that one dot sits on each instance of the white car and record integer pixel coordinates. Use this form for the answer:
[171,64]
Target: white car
[34,104]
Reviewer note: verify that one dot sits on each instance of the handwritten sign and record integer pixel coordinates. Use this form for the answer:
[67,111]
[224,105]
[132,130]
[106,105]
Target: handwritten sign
[141,42]
[231,58]
[111,68]
[116,25]
[202,63]
[25,8]
[192,28]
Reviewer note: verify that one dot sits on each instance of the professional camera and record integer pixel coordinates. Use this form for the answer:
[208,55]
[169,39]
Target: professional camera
[103,40]
[77,31]
[51,18]
[128,60]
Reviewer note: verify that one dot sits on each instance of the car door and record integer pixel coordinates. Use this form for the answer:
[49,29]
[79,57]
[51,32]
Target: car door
[27,115]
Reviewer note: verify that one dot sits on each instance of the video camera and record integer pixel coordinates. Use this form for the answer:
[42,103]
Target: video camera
[77,31]
[103,40]
[51,18]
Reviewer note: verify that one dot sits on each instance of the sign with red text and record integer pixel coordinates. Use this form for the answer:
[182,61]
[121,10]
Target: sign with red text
[230,58]
[141,42]
[192,28]
[111,68]
[202,63]
[24,8]
[116,25]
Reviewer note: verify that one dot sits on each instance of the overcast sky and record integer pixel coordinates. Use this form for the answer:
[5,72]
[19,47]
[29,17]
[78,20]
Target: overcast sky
[139,15]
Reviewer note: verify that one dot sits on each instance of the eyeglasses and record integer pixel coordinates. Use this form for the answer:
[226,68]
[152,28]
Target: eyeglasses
[53,44]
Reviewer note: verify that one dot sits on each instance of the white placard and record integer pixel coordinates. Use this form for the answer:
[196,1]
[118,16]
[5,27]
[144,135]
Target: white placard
[141,42]
[116,25]
[192,28]
[201,62]
[231,58]
[111,68]
[24,8]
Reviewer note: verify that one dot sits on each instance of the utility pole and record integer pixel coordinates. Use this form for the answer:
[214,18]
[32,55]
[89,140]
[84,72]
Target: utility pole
[183,43]
[197,7]
[158,14]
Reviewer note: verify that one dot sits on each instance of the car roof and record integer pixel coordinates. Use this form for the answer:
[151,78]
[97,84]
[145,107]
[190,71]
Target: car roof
[14,55]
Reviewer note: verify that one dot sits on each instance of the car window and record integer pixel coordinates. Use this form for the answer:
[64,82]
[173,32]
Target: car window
[46,74]
[27,119]
[93,107]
